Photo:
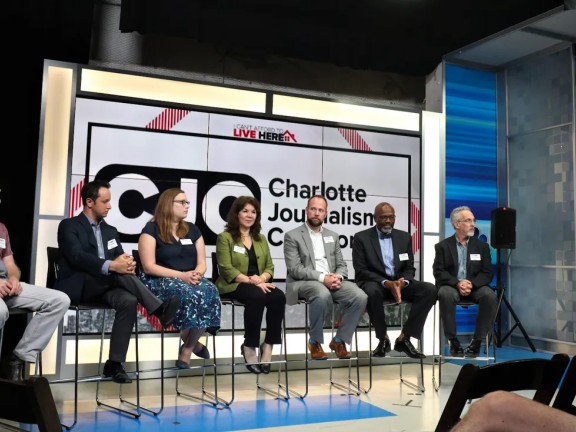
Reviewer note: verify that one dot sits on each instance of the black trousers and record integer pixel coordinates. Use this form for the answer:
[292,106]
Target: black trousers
[255,302]
[122,293]
[422,295]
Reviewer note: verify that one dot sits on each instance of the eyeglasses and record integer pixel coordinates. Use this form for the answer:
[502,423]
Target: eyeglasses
[183,202]
[387,217]
[468,221]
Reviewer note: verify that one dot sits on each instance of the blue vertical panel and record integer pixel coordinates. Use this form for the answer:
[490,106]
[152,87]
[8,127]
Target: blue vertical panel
[471,173]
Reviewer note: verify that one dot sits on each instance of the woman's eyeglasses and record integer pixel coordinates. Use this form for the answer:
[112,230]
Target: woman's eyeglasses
[183,202]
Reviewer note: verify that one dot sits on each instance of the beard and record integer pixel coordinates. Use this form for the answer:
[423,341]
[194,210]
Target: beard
[385,229]
[315,223]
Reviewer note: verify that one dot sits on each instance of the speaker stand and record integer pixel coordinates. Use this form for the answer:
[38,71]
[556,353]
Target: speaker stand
[502,298]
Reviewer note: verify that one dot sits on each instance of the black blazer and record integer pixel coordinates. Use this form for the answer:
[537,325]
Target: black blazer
[79,254]
[369,263]
[445,267]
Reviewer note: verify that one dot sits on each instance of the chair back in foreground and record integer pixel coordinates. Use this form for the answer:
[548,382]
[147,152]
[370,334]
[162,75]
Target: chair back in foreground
[30,402]
[473,382]
[566,396]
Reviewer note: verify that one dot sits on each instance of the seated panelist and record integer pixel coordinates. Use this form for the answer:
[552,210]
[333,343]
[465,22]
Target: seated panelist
[49,305]
[384,265]
[318,273]
[463,271]
[95,269]
[173,257]
[246,270]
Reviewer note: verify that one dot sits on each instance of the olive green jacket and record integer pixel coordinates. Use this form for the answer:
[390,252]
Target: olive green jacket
[233,260]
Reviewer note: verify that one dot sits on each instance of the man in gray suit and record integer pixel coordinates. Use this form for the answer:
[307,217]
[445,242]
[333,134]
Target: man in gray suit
[317,273]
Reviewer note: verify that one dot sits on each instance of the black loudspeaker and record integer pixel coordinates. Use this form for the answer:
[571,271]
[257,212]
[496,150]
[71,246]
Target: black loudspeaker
[503,228]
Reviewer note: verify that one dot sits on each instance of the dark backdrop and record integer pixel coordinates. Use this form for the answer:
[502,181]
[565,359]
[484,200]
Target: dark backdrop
[34,30]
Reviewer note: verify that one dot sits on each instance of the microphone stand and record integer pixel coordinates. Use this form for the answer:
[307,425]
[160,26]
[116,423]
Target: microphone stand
[502,298]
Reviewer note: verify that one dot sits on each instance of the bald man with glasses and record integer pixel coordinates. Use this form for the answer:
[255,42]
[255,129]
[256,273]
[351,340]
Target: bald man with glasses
[463,271]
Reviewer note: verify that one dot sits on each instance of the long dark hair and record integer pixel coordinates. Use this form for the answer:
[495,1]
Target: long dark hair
[232,224]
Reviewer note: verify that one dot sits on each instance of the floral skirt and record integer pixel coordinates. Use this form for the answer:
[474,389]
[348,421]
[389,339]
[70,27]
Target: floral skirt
[199,304]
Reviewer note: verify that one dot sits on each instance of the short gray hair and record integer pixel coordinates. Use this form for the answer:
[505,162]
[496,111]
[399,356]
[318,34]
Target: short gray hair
[455,214]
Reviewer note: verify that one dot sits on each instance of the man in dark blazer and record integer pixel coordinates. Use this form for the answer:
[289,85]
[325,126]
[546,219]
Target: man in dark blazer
[384,265]
[463,271]
[317,272]
[94,269]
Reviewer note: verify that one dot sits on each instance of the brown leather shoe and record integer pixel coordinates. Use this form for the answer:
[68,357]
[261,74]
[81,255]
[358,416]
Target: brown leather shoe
[316,351]
[340,349]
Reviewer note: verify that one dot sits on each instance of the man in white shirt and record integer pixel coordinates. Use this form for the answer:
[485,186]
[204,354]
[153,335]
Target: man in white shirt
[317,273]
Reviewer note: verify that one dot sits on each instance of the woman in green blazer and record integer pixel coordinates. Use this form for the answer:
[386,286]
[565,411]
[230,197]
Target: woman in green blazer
[245,274]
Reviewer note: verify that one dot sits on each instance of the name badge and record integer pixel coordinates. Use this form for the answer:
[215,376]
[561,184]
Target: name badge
[2,243]
[474,257]
[239,249]
[328,239]
[403,257]
[112,244]
[186,241]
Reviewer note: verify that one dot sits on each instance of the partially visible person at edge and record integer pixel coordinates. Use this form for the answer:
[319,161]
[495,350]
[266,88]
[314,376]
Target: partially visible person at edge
[94,268]
[503,411]
[50,306]
[463,271]
[317,272]
[384,266]
[246,272]
[173,257]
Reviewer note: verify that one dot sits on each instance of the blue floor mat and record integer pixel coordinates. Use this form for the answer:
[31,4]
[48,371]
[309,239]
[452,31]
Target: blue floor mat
[241,415]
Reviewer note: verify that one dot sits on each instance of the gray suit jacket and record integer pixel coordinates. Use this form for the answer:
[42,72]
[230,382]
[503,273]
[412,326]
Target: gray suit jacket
[300,259]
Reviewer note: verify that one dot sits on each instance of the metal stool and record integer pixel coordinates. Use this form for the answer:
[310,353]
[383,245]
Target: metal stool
[205,395]
[352,386]
[53,258]
[281,391]
[402,357]
[490,340]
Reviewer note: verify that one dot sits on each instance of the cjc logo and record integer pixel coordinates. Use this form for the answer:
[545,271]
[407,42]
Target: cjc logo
[135,190]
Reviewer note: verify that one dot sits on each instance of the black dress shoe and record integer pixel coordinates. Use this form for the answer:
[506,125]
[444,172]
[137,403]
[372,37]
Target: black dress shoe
[473,349]
[115,371]
[254,368]
[16,366]
[383,347]
[407,348]
[456,349]
[167,311]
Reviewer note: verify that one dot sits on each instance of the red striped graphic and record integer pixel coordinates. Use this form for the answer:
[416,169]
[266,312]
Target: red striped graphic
[75,198]
[356,142]
[353,138]
[153,320]
[167,119]
[415,222]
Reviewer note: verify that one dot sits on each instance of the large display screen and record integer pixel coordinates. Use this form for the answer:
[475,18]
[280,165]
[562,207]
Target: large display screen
[142,150]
